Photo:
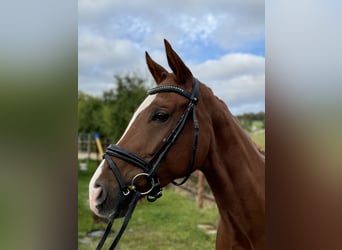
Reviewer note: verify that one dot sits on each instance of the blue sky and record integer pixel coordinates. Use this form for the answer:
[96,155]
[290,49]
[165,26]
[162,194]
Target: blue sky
[222,42]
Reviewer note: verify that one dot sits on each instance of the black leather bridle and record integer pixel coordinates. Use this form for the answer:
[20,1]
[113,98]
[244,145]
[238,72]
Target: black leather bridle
[128,190]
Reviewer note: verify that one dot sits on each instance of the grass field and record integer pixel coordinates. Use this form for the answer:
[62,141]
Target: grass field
[170,223]
[259,139]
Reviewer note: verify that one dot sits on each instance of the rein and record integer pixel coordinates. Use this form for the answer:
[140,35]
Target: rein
[150,168]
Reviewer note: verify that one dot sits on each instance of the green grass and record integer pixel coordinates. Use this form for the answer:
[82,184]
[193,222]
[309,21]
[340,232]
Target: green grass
[169,223]
[259,139]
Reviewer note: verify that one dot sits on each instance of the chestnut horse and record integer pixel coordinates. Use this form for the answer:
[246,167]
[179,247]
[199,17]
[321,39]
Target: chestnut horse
[181,127]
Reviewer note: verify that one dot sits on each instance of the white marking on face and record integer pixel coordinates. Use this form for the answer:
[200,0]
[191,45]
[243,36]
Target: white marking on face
[95,191]
[145,104]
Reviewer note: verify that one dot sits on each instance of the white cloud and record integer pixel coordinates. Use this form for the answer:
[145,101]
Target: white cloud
[238,79]
[113,36]
[199,27]
[101,58]
[98,50]
[231,66]
[229,23]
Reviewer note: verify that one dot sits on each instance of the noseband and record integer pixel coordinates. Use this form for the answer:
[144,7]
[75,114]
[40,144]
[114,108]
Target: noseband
[129,190]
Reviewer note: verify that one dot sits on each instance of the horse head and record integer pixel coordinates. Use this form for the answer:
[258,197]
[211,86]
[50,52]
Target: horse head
[148,134]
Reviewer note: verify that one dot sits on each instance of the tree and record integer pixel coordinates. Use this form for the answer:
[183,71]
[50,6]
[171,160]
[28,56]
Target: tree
[247,120]
[121,102]
[110,114]
[90,114]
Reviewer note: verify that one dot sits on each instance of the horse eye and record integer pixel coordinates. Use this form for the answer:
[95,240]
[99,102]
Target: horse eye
[160,116]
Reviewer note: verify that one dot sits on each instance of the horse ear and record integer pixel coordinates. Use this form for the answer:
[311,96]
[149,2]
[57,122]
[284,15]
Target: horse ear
[182,72]
[157,71]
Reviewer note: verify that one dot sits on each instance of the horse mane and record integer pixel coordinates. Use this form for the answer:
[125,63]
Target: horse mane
[224,105]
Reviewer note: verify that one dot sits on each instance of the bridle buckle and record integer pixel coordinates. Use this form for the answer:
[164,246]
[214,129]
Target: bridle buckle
[127,192]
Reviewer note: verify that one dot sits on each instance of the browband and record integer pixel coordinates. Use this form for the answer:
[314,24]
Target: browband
[170,88]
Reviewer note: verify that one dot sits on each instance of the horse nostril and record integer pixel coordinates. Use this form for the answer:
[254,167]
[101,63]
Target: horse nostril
[101,194]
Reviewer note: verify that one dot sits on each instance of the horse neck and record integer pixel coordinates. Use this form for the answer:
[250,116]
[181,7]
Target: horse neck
[234,169]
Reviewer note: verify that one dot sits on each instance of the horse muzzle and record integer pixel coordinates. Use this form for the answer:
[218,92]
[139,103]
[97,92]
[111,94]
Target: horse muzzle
[108,203]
